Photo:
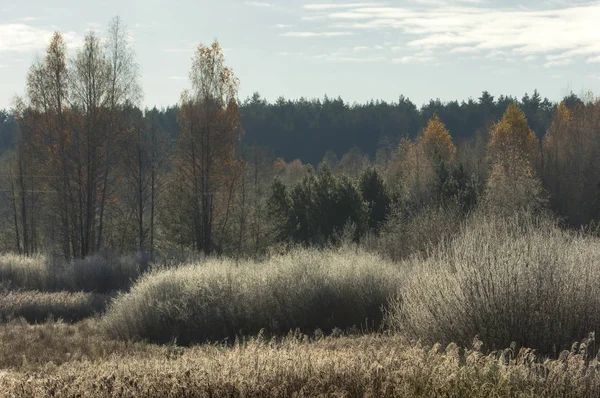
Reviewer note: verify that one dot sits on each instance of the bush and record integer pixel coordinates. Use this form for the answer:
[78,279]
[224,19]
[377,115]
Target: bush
[101,273]
[218,299]
[407,233]
[38,306]
[520,279]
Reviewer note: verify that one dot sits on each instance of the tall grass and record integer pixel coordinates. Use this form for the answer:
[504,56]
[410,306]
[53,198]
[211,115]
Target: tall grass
[520,279]
[101,273]
[370,366]
[217,299]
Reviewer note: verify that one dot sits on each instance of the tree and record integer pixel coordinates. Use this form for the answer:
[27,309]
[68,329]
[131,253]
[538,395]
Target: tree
[44,120]
[375,193]
[210,125]
[279,209]
[570,170]
[513,149]
[91,83]
[124,91]
[437,142]
[511,137]
[411,173]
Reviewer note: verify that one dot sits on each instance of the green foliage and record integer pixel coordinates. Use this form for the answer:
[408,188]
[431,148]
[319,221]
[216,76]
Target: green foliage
[318,208]
[378,198]
[456,188]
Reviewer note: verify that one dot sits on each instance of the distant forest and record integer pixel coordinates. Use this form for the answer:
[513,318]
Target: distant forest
[308,129]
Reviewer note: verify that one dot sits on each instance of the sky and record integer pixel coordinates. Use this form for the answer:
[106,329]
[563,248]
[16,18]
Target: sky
[362,50]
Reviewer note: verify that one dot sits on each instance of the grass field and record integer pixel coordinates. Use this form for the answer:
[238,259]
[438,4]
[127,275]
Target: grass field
[506,308]
[64,360]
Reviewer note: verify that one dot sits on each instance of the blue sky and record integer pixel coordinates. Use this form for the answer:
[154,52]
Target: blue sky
[447,49]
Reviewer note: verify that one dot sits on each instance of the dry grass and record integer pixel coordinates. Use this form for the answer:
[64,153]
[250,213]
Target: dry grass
[101,273]
[519,279]
[368,366]
[36,306]
[218,299]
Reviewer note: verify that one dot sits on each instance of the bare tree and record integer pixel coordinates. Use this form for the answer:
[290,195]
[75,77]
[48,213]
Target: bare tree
[124,90]
[210,125]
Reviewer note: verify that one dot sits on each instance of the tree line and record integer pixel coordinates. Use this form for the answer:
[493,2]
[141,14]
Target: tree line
[84,169]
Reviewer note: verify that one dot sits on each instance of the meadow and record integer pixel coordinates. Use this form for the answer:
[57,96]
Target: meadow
[506,306]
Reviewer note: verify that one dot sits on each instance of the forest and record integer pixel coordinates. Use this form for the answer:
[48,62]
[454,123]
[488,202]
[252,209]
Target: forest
[227,247]
[58,153]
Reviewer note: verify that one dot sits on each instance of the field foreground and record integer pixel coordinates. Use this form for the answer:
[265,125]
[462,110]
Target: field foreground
[56,359]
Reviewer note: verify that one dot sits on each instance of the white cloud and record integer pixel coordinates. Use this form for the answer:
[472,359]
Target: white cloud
[25,38]
[595,59]
[333,6]
[341,57]
[258,4]
[360,49]
[283,26]
[418,58]
[567,32]
[464,50]
[557,62]
[316,34]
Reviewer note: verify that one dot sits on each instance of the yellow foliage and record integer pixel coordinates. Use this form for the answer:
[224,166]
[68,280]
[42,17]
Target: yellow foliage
[437,142]
[557,134]
[512,137]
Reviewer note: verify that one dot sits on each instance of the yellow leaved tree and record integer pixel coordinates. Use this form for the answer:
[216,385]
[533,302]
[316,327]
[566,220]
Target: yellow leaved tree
[512,137]
[437,142]
[513,150]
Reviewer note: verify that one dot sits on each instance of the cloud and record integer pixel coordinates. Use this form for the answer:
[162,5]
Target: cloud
[360,49]
[567,32]
[258,4]
[464,50]
[340,57]
[419,58]
[595,59]
[283,26]
[177,78]
[316,34]
[557,62]
[332,6]
[24,38]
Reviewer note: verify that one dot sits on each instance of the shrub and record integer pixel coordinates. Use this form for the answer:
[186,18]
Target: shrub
[38,306]
[218,299]
[407,233]
[101,273]
[520,279]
